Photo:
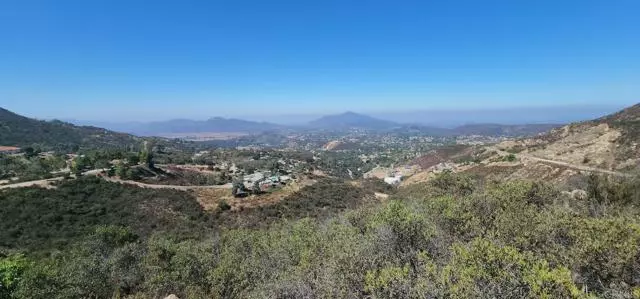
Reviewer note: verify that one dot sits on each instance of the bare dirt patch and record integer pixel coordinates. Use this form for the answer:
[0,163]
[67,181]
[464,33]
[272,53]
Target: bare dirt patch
[210,199]
[591,146]
[443,154]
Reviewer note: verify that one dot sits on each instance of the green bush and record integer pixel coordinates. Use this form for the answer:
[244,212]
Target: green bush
[453,237]
[12,269]
[40,219]
[483,269]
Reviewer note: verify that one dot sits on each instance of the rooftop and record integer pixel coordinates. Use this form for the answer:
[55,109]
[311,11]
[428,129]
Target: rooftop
[8,148]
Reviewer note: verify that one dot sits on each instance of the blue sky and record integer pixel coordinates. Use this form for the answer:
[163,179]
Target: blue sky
[125,60]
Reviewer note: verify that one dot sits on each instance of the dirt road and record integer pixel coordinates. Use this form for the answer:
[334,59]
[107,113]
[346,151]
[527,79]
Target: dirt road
[40,183]
[574,166]
[524,157]
[47,183]
[175,187]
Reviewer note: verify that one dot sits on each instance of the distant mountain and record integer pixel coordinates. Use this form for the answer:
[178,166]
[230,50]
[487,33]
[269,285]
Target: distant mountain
[351,120]
[185,126]
[344,121]
[497,130]
[17,130]
[503,130]
[451,118]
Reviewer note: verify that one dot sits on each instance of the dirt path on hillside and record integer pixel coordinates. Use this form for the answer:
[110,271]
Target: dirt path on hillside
[524,156]
[175,187]
[40,183]
[574,166]
[47,184]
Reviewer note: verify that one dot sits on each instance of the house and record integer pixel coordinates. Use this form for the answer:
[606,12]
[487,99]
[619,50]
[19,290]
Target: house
[264,180]
[393,180]
[9,150]
[250,179]
[46,154]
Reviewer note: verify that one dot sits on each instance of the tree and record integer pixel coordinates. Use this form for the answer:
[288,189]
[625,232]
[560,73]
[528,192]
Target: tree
[146,158]
[29,152]
[122,170]
[133,159]
[256,187]
[238,189]
[79,164]
[146,155]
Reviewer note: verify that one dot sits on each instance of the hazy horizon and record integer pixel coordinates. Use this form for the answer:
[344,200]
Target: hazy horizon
[437,118]
[122,60]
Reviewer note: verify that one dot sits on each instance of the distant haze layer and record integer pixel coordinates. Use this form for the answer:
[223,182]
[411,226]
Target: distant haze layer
[453,117]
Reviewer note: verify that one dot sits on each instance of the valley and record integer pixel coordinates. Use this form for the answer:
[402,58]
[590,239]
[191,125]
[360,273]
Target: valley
[319,149]
[344,201]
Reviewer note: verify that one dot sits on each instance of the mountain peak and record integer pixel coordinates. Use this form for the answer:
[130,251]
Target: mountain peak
[351,119]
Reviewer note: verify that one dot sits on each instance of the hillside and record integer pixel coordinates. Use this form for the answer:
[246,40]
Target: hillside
[453,237]
[605,146]
[17,130]
[351,120]
[627,122]
[42,219]
[503,130]
[609,142]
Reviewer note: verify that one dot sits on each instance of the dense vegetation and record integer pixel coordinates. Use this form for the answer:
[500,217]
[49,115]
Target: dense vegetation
[17,130]
[30,166]
[321,200]
[174,176]
[455,237]
[40,220]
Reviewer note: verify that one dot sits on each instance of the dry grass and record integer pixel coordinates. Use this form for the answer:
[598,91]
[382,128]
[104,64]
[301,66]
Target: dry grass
[210,199]
[591,146]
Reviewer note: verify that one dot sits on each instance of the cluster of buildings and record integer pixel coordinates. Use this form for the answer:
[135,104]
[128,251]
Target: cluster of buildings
[392,175]
[264,180]
[9,150]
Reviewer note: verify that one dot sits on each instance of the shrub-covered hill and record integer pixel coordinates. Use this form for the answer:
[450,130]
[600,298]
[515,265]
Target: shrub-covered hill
[609,142]
[17,130]
[324,199]
[453,237]
[43,219]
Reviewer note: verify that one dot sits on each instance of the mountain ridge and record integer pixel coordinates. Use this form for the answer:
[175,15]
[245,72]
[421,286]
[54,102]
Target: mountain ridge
[22,131]
[351,120]
[343,121]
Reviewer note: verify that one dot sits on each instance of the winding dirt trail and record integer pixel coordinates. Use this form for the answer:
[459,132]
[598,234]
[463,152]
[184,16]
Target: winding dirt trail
[47,184]
[40,183]
[574,166]
[175,187]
